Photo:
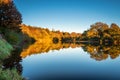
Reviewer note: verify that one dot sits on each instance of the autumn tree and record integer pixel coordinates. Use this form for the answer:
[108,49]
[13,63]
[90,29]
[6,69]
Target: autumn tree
[99,26]
[114,27]
[10,17]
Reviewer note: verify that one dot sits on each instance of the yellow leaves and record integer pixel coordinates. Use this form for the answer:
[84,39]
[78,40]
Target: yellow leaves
[92,49]
[34,32]
[5,1]
[43,39]
[101,53]
[38,33]
[99,26]
[43,46]
[114,27]
[92,33]
[73,34]
[106,35]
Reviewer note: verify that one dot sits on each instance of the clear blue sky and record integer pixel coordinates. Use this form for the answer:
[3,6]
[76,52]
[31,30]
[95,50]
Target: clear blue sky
[68,15]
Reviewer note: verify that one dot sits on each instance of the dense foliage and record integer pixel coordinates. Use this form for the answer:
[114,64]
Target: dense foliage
[10,17]
[102,32]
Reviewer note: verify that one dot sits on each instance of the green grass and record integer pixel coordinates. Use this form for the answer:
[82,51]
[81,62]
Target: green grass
[5,49]
[10,74]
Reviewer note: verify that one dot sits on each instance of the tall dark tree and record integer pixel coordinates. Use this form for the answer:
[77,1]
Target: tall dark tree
[10,17]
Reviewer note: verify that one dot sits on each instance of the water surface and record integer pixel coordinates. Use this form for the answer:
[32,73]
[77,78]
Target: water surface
[70,63]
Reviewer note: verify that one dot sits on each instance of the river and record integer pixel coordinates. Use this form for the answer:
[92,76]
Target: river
[70,64]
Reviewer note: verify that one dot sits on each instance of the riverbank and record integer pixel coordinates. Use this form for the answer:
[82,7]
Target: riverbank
[5,48]
[12,43]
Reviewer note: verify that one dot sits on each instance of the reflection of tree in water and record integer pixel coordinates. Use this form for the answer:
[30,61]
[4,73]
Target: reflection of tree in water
[102,52]
[44,46]
[100,41]
[98,51]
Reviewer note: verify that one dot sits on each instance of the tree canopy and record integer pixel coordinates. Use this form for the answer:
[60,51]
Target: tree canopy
[10,17]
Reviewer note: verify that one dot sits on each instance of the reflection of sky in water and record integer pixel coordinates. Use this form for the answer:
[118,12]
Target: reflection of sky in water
[69,63]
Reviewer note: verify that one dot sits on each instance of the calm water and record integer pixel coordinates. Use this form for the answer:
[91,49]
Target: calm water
[69,64]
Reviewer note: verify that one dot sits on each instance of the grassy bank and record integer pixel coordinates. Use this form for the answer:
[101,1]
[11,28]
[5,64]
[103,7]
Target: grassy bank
[9,74]
[11,44]
[5,49]
[5,52]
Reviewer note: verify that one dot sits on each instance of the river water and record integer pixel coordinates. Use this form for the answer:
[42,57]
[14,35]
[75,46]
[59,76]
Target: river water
[71,64]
